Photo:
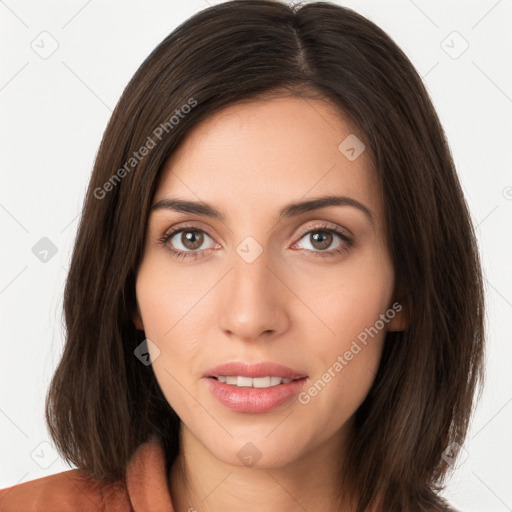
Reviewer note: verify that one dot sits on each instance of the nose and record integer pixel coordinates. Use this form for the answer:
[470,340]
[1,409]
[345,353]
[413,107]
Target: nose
[253,299]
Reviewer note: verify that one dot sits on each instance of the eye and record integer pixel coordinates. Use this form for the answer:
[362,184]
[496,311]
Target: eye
[322,237]
[188,242]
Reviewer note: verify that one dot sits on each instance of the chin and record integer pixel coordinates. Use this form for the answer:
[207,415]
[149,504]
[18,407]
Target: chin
[255,448]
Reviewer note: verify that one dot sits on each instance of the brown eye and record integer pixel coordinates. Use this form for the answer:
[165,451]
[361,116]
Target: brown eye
[191,240]
[321,240]
[187,241]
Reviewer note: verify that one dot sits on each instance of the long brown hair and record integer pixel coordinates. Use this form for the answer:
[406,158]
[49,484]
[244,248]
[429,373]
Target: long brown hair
[103,403]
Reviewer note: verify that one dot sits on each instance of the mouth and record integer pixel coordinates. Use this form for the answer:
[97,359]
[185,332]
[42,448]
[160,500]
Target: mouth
[254,388]
[256,382]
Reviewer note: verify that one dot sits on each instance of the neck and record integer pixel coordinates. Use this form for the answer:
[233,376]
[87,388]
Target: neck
[200,482]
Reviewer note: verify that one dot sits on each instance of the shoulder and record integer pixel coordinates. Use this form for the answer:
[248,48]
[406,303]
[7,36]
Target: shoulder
[68,491]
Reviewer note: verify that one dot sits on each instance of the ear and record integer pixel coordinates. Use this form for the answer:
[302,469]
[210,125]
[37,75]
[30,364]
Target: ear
[400,321]
[137,319]
[399,313]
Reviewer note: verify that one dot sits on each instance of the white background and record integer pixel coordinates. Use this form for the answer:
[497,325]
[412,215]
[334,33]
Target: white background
[54,111]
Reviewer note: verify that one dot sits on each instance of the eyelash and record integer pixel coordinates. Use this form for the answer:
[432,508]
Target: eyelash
[345,246]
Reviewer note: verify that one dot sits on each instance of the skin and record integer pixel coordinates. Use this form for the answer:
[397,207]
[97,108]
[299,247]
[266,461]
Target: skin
[290,305]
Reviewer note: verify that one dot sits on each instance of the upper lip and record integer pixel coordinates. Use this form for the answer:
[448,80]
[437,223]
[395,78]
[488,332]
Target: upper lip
[262,369]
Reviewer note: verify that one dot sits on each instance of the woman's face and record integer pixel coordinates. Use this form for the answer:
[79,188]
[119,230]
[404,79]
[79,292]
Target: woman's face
[258,286]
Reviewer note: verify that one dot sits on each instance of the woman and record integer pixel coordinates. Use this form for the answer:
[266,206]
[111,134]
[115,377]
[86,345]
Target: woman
[275,297]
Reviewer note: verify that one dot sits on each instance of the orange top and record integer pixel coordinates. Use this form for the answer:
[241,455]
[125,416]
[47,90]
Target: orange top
[146,489]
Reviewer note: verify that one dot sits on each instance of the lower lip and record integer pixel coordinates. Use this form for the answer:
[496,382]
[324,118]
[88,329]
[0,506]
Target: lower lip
[254,400]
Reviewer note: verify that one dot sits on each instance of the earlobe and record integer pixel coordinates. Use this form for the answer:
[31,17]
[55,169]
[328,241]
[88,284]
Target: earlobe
[399,321]
[137,320]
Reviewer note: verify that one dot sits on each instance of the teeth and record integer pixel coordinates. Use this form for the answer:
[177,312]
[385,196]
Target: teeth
[257,382]
[244,382]
[264,382]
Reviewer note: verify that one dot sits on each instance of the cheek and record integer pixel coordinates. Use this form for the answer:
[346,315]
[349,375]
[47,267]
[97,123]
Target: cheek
[349,299]
[164,304]
[168,299]
[348,357]
[343,376]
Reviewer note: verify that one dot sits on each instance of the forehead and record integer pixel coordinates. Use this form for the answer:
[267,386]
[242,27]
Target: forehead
[255,154]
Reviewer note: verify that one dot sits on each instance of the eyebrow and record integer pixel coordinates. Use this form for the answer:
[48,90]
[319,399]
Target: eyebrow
[289,210]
